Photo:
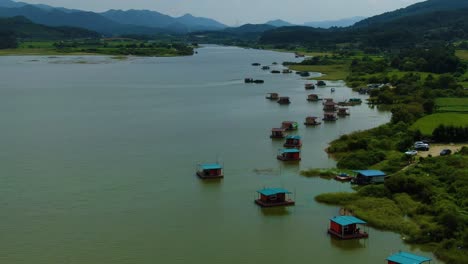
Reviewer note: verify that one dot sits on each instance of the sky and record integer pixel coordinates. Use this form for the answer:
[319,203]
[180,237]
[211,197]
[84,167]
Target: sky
[238,12]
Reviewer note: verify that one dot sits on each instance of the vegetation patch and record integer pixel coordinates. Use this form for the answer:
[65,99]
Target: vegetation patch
[333,72]
[451,105]
[325,173]
[428,123]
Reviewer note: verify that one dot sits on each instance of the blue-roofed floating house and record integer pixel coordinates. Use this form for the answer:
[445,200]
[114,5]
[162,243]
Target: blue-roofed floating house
[210,171]
[369,176]
[289,155]
[407,258]
[346,227]
[270,197]
[293,142]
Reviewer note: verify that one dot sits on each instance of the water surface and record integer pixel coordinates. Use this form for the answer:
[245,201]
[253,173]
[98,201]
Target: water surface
[98,160]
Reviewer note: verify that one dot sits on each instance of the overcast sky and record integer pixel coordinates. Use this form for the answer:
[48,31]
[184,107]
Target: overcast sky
[237,12]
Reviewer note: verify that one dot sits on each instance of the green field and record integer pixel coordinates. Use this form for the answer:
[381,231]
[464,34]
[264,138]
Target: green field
[452,105]
[428,123]
[333,72]
[462,54]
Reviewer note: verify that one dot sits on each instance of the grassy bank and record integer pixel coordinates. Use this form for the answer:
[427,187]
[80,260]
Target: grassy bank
[428,123]
[427,203]
[332,72]
[114,47]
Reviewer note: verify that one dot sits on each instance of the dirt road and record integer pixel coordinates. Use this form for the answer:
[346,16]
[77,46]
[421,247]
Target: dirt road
[435,149]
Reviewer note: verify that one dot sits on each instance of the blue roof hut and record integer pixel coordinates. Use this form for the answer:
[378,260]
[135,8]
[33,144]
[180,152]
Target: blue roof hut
[270,197]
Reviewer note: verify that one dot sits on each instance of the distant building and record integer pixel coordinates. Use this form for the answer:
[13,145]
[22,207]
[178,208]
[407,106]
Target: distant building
[369,176]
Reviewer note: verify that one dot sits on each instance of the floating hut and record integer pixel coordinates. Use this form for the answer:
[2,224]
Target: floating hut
[256,64]
[265,67]
[329,105]
[312,121]
[272,96]
[258,81]
[270,197]
[275,71]
[287,71]
[278,133]
[274,63]
[284,100]
[355,101]
[364,177]
[289,125]
[210,171]
[321,83]
[309,86]
[313,98]
[346,227]
[343,111]
[332,90]
[343,177]
[407,258]
[289,155]
[248,80]
[304,74]
[329,116]
[293,142]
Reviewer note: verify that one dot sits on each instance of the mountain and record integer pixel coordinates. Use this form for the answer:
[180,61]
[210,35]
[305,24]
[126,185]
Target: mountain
[415,9]
[279,23]
[139,17]
[87,20]
[9,3]
[200,23]
[250,28]
[24,28]
[346,22]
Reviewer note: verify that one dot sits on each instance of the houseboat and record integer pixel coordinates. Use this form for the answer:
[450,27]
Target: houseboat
[355,101]
[270,197]
[343,111]
[265,68]
[258,81]
[278,133]
[309,86]
[332,90]
[284,100]
[346,227]
[210,171]
[287,71]
[329,116]
[407,258]
[329,105]
[343,177]
[313,98]
[304,74]
[272,96]
[248,80]
[364,177]
[312,121]
[289,125]
[299,55]
[275,71]
[321,83]
[256,64]
[289,155]
[275,63]
[293,141]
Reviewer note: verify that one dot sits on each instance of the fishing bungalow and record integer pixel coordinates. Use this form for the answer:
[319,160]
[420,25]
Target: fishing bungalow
[272,96]
[312,121]
[321,83]
[289,155]
[364,177]
[343,111]
[284,100]
[289,125]
[270,197]
[407,258]
[329,105]
[346,227]
[293,142]
[210,171]
[309,86]
[329,116]
[355,101]
[278,133]
[313,98]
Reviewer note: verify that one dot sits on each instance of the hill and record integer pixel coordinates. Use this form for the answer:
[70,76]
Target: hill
[279,23]
[23,28]
[250,28]
[415,9]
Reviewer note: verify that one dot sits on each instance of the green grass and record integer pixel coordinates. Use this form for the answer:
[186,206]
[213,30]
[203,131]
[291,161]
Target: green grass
[333,72]
[428,123]
[452,105]
[462,54]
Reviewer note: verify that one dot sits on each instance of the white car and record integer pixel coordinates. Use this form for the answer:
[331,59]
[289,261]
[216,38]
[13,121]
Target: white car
[411,152]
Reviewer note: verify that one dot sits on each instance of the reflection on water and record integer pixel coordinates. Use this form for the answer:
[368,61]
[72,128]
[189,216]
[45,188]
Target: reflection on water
[276,211]
[350,244]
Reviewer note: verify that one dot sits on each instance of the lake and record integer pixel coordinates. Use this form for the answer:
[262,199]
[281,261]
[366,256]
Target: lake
[99,155]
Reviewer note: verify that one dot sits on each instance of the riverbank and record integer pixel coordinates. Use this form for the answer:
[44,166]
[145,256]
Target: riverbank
[113,47]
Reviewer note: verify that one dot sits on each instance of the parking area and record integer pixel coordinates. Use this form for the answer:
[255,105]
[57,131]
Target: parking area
[435,149]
